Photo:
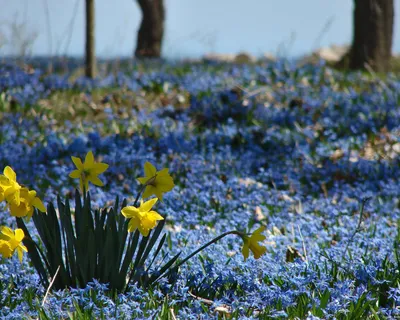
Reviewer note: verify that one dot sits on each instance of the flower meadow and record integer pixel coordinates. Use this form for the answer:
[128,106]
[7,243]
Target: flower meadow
[271,191]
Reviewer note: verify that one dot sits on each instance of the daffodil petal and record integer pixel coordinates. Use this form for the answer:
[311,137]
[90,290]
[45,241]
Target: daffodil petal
[89,160]
[165,187]
[10,174]
[4,181]
[78,163]
[145,207]
[38,204]
[18,211]
[144,231]
[5,249]
[258,251]
[133,224]
[75,174]
[149,170]
[148,223]
[7,232]
[96,181]
[129,212]
[163,172]
[158,193]
[155,215]
[143,180]
[20,254]
[19,235]
[259,230]
[148,191]
[100,167]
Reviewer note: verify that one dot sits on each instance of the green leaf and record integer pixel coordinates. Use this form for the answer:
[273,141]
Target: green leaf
[160,245]
[132,245]
[69,242]
[162,272]
[324,299]
[33,253]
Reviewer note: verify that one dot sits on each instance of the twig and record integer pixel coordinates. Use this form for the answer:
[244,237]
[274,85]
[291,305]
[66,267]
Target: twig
[303,244]
[206,301]
[171,310]
[224,309]
[50,285]
[49,34]
[71,29]
[323,31]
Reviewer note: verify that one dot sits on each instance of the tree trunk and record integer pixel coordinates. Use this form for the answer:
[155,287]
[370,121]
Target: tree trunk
[90,71]
[151,29]
[372,34]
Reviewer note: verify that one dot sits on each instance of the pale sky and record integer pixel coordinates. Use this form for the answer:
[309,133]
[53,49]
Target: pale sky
[193,27]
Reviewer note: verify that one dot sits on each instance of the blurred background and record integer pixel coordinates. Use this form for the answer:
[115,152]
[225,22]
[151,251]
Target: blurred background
[286,28]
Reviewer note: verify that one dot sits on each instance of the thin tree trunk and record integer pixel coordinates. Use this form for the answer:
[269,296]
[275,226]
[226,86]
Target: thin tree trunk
[151,31]
[90,38]
[372,34]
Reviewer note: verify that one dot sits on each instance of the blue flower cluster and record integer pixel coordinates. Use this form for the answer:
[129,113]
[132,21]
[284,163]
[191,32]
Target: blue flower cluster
[294,148]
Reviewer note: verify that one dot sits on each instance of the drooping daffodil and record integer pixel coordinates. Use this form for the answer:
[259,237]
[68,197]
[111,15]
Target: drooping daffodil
[142,218]
[156,182]
[88,171]
[252,244]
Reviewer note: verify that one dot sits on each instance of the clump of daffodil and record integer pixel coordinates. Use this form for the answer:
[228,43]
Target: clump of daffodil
[28,201]
[9,187]
[88,171]
[252,244]
[14,240]
[155,182]
[142,218]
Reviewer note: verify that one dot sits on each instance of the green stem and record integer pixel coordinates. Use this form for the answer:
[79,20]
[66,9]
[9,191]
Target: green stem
[138,195]
[205,246]
[142,188]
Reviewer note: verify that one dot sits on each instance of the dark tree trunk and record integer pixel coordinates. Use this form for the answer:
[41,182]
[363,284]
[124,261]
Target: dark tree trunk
[151,31]
[90,46]
[372,34]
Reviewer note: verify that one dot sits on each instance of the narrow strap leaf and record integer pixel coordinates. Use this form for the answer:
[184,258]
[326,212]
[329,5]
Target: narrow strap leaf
[33,253]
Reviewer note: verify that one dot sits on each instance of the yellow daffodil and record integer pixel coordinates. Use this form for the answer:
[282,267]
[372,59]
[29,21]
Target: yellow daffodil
[156,182]
[88,171]
[5,249]
[10,189]
[251,244]
[14,238]
[142,218]
[28,202]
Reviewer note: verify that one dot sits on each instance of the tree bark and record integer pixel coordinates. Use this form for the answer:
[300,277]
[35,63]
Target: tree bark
[372,34]
[151,31]
[90,71]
